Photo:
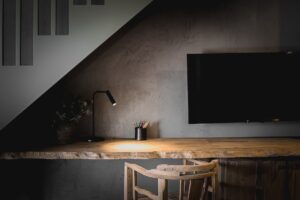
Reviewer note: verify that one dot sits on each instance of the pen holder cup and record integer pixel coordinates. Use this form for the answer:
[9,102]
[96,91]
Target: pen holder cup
[140,133]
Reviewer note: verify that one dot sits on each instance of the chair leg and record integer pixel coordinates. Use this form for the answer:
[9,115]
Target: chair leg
[162,189]
[204,189]
[182,184]
[134,183]
[128,183]
[215,183]
[181,189]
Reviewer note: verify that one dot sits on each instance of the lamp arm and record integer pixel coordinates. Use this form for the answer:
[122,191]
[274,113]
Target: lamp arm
[110,97]
[93,120]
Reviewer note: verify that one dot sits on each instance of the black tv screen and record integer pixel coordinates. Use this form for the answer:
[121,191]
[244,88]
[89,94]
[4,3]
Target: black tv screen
[243,87]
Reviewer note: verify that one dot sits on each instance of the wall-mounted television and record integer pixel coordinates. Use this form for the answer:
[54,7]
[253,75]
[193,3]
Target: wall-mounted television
[243,87]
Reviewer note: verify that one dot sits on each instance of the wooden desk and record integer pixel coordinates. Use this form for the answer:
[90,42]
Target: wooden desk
[168,148]
[250,168]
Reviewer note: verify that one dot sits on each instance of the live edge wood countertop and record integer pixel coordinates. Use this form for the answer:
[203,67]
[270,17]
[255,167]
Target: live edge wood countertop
[167,148]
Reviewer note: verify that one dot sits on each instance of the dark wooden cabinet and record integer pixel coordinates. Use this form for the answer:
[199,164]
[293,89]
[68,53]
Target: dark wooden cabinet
[260,179]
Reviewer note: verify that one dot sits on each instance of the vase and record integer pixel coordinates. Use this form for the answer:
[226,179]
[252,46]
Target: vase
[64,134]
[140,133]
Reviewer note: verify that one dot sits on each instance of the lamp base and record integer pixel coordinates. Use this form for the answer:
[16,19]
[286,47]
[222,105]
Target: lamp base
[91,138]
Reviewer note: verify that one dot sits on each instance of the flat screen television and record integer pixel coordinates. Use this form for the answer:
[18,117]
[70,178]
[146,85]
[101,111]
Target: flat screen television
[243,87]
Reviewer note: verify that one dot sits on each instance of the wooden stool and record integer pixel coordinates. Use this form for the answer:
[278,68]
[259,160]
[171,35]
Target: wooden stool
[195,180]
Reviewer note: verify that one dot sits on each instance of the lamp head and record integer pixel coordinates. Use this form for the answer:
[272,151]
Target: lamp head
[111,98]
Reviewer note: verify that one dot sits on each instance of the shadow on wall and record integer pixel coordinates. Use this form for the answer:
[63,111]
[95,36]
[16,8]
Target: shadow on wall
[32,128]
[22,180]
[153,130]
[71,179]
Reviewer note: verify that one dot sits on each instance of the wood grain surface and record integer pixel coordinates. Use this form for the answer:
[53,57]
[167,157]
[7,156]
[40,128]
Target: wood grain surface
[260,179]
[167,148]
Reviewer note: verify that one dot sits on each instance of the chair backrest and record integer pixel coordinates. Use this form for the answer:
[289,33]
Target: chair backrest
[196,179]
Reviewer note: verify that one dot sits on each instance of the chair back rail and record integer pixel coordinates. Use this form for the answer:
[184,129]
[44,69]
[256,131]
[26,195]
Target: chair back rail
[200,178]
[187,168]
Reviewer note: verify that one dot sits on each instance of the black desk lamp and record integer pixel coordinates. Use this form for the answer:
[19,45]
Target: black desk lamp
[94,138]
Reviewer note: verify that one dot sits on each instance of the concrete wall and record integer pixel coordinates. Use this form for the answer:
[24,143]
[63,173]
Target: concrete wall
[146,68]
[70,180]
[54,56]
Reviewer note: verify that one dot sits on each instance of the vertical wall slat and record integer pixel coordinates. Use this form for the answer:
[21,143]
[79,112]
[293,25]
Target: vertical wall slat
[44,17]
[97,2]
[9,32]
[80,2]
[26,35]
[1,46]
[62,17]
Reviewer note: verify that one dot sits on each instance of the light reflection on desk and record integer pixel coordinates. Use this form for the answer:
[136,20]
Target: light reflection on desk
[129,146]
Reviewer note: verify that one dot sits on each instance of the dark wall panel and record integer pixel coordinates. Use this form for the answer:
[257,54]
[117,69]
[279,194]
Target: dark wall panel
[44,17]
[62,17]
[9,32]
[289,25]
[80,2]
[97,2]
[26,39]
[1,11]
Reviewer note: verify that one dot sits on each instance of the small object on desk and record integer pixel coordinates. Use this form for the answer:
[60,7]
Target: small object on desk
[145,124]
[141,130]
[140,133]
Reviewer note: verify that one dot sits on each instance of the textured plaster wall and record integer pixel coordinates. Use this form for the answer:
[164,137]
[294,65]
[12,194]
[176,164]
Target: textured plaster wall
[146,68]
[54,56]
[70,180]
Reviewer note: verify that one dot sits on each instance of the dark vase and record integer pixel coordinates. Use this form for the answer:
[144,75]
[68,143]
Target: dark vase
[64,134]
[140,133]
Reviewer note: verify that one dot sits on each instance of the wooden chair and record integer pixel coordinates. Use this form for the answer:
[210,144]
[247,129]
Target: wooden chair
[194,180]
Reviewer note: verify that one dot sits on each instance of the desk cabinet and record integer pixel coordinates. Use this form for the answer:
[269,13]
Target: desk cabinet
[260,179]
